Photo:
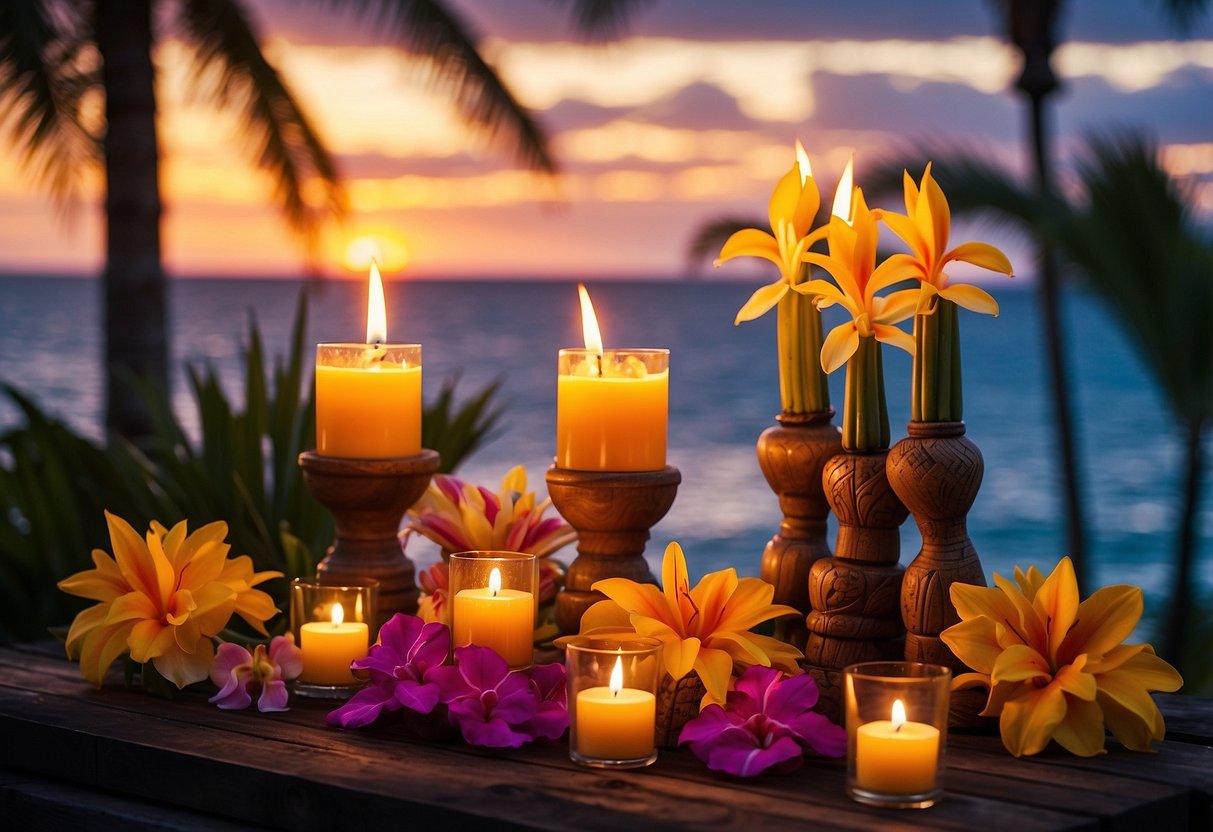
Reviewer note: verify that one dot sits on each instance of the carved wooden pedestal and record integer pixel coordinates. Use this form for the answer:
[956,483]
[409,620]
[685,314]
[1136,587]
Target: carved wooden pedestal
[936,471]
[367,498]
[792,455]
[855,594]
[612,513]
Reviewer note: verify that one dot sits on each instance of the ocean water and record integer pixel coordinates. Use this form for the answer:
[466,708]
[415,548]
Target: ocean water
[723,393]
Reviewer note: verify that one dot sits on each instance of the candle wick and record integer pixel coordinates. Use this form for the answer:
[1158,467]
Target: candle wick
[898,728]
[598,358]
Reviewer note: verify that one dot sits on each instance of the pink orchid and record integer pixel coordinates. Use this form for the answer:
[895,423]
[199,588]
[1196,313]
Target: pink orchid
[241,675]
[490,705]
[399,665]
[766,723]
[551,717]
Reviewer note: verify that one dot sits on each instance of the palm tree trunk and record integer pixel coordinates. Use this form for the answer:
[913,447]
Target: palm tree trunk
[1050,302]
[1178,626]
[136,341]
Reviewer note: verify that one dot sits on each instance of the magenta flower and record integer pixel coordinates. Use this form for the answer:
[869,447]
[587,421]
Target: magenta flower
[241,675]
[766,723]
[551,719]
[399,665]
[490,706]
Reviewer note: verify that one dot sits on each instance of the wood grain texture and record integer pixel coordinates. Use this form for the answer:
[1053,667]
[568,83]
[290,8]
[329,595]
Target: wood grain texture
[92,755]
[612,513]
[368,498]
[791,456]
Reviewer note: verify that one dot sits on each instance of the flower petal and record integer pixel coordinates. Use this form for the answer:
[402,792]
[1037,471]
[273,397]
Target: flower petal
[1082,730]
[983,255]
[364,707]
[1056,602]
[1105,619]
[970,297]
[887,334]
[975,642]
[1030,717]
[839,346]
[715,668]
[762,301]
[1020,663]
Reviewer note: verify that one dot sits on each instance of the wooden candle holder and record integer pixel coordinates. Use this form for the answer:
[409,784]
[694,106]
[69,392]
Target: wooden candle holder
[791,456]
[612,512]
[367,498]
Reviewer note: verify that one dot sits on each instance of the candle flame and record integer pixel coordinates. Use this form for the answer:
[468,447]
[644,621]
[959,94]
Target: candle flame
[899,714]
[338,614]
[376,309]
[617,676]
[589,322]
[802,163]
[844,202]
[495,581]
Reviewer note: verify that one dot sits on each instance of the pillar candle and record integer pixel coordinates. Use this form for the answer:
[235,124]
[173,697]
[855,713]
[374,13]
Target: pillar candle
[895,756]
[615,722]
[328,647]
[503,619]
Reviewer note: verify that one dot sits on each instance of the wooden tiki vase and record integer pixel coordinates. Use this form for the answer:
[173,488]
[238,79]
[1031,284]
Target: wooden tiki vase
[367,498]
[936,471]
[677,704]
[855,595]
[792,455]
[612,513]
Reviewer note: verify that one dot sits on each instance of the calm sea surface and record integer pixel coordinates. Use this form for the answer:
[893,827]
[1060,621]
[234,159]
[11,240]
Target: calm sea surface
[723,393]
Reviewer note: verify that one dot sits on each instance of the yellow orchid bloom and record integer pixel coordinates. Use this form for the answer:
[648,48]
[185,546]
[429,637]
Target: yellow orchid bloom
[162,598]
[705,628]
[1056,668]
[794,203]
[925,228]
[852,264]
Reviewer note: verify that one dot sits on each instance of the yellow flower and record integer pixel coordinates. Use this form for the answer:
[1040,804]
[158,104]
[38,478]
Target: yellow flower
[925,228]
[162,599]
[852,264]
[1056,669]
[793,205]
[705,629]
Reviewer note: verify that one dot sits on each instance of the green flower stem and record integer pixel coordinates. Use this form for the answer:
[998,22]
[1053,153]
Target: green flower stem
[936,394]
[802,383]
[865,415]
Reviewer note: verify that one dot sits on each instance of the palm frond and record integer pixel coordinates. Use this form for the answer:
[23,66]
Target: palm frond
[604,19]
[435,33]
[44,78]
[286,145]
[710,237]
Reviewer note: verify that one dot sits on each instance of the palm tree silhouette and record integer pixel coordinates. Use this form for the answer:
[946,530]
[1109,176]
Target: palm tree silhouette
[58,56]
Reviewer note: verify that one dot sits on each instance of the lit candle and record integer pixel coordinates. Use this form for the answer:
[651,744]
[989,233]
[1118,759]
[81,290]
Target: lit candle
[503,619]
[329,646]
[611,405]
[896,757]
[368,396]
[616,723]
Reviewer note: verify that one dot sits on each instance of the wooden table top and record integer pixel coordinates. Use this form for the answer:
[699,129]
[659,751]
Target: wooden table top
[74,757]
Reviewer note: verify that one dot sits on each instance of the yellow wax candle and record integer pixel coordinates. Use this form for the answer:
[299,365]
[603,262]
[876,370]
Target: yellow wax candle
[369,412]
[503,619]
[615,723]
[368,397]
[328,647]
[896,757]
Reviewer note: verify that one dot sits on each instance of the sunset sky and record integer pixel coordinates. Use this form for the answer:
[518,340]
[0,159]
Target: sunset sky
[690,117]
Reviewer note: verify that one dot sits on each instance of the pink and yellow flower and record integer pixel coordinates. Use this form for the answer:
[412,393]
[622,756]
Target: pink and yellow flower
[1056,668]
[263,673]
[705,628]
[162,598]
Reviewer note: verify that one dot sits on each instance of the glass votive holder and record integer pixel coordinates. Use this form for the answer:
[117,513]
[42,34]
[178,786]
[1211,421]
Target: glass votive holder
[332,625]
[612,409]
[368,400]
[612,700]
[897,731]
[494,599]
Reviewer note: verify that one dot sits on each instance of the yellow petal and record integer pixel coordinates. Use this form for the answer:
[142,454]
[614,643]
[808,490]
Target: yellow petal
[1082,730]
[84,623]
[710,599]
[1075,682]
[888,334]
[1020,663]
[967,681]
[105,583]
[642,599]
[779,654]
[678,653]
[941,214]
[975,642]
[1057,603]
[999,694]
[1105,619]
[1147,670]
[742,650]
[761,301]
[973,601]
[1030,717]
[1136,727]
[132,606]
[1026,624]
[785,199]
[907,230]
[605,615]
[910,190]
[149,639]
[100,648]
[676,589]
[715,668]
[182,668]
[825,293]
[750,242]
[1114,658]
[515,480]
[130,552]
[807,204]
[897,307]
[895,269]
[970,297]
[839,346]
[981,254]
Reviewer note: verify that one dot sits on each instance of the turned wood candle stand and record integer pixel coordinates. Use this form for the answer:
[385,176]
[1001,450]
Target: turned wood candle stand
[612,512]
[367,498]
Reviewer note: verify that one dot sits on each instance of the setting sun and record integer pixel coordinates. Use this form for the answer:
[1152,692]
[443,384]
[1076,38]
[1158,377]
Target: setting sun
[387,250]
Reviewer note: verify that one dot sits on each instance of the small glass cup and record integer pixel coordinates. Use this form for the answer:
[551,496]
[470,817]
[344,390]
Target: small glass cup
[612,410]
[494,602]
[368,400]
[612,700]
[897,732]
[333,625]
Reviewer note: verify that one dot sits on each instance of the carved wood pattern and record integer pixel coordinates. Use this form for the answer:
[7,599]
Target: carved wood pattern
[368,498]
[937,472]
[677,704]
[855,595]
[612,513]
[791,456]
